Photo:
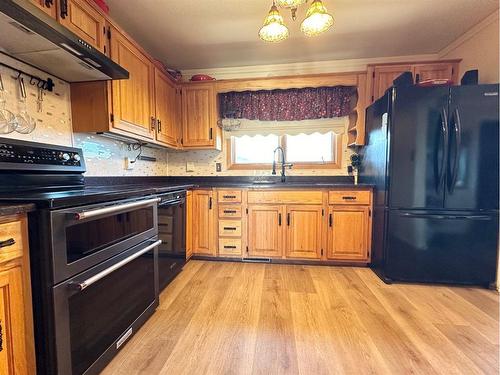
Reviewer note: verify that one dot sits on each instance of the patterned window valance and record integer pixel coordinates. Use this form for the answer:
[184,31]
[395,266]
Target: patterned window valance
[289,104]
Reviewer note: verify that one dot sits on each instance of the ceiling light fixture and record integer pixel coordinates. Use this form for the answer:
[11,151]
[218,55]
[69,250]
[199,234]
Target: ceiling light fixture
[274,29]
[317,20]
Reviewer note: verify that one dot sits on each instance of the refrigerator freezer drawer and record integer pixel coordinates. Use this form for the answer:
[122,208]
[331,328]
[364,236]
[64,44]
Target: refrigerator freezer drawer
[442,247]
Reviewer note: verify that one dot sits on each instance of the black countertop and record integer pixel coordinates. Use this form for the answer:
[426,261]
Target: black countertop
[14,209]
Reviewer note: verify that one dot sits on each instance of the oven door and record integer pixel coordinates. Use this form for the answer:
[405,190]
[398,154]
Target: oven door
[96,311]
[87,236]
[172,233]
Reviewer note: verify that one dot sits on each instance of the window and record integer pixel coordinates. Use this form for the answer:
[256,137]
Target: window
[303,150]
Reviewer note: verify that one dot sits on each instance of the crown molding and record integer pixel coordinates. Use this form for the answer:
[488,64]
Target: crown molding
[469,34]
[315,67]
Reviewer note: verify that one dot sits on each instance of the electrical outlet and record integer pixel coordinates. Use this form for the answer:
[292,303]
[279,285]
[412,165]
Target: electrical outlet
[218,167]
[189,166]
[129,164]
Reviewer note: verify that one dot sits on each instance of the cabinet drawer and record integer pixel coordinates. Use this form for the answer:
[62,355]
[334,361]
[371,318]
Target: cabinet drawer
[230,246]
[349,197]
[229,211]
[286,197]
[229,196]
[230,228]
[11,240]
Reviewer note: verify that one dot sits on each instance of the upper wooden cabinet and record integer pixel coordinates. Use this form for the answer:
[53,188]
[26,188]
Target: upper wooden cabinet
[381,77]
[166,110]
[85,21]
[199,116]
[133,98]
[48,7]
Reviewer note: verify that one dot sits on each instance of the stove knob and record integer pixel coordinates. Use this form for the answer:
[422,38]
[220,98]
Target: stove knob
[64,156]
[76,157]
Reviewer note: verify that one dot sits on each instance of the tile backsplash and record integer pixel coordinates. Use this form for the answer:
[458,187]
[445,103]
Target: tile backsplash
[105,156]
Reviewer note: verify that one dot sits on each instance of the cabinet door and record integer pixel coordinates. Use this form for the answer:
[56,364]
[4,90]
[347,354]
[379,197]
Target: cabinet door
[348,231]
[423,72]
[384,75]
[86,22]
[133,98]
[203,229]
[13,359]
[304,229]
[189,224]
[165,103]
[198,115]
[265,230]
[47,7]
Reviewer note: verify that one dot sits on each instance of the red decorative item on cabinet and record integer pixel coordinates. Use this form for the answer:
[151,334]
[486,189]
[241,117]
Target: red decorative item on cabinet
[102,4]
[201,77]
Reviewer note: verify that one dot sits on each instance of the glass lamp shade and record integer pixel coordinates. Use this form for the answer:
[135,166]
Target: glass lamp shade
[317,19]
[293,4]
[274,29]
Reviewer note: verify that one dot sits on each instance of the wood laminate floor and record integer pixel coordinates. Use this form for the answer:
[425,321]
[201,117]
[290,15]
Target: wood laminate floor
[241,318]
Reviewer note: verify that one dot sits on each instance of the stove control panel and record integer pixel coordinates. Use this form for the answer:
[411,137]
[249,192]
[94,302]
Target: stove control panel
[21,155]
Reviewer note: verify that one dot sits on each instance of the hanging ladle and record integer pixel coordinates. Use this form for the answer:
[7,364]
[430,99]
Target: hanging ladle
[7,119]
[25,123]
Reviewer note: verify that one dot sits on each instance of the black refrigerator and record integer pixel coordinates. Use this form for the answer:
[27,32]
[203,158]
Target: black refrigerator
[432,154]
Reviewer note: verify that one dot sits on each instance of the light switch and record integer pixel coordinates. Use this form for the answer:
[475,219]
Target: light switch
[189,166]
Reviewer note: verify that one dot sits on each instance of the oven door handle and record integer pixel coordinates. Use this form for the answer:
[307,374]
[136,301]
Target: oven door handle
[91,280]
[112,209]
[172,202]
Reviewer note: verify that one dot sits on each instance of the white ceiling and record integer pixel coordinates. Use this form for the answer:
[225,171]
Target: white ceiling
[190,34]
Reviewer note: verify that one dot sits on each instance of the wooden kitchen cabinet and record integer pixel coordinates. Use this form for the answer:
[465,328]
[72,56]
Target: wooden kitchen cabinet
[85,21]
[165,109]
[265,230]
[16,321]
[304,231]
[48,7]
[348,233]
[381,76]
[199,117]
[203,232]
[133,98]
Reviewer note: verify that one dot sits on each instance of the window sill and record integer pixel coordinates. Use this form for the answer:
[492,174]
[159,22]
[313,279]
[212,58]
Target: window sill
[250,167]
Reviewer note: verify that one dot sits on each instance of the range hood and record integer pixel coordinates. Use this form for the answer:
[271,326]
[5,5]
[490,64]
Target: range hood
[33,37]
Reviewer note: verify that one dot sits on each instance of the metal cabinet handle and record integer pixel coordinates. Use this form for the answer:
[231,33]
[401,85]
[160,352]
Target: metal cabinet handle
[210,203]
[7,243]
[91,280]
[349,198]
[230,228]
[64,8]
[229,211]
[279,220]
[112,209]
[211,133]
[1,336]
[288,219]
[229,247]
[229,196]
[153,123]
[330,220]
[159,126]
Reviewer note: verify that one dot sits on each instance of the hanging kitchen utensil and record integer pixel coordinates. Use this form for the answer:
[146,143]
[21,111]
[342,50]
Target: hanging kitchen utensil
[39,100]
[25,123]
[7,119]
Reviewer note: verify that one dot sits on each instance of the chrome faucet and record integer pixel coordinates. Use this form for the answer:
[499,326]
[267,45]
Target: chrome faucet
[284,164]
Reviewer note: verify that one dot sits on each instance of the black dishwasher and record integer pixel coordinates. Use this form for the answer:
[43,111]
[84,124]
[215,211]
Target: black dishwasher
[172,233]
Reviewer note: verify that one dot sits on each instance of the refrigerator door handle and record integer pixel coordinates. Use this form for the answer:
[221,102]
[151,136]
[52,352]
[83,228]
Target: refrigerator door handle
[444,140]
[457,128]
[447,217]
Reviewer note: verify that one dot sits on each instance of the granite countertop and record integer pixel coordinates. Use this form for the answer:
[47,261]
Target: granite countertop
[13,209]
[286,185]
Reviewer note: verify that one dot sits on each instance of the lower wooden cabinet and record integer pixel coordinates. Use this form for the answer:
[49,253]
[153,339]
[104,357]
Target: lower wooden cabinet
[189,224]
[16,322]
[304,231]
[203,230]
[348,233]
[265,233]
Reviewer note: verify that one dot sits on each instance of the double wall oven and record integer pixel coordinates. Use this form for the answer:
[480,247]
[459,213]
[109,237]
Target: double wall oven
[94,254]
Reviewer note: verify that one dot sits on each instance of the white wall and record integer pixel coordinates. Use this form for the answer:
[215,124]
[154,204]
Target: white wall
[479,49]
